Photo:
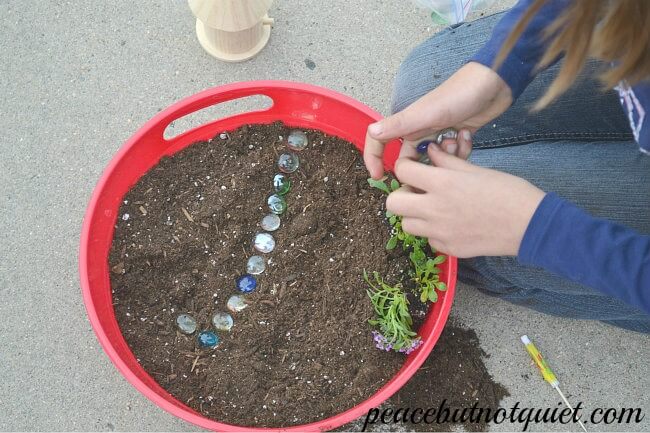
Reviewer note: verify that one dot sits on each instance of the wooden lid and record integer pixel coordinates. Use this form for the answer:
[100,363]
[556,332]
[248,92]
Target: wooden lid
[230,15]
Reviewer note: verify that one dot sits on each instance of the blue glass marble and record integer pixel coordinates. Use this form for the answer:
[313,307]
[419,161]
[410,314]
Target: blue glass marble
[208,340]
[246,283]
[423,146]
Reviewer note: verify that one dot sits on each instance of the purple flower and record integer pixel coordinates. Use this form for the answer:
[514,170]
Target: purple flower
[382,343]
[414,345]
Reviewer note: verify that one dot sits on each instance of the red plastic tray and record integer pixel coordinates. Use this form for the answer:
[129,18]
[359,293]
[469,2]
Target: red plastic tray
[298,105]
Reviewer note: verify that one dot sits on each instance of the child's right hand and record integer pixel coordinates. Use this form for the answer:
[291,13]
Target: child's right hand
[469,99]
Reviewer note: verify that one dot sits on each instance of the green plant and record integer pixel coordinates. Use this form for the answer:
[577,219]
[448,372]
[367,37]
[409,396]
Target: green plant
[393,318]
[424,271]
[381,184]
[425,274]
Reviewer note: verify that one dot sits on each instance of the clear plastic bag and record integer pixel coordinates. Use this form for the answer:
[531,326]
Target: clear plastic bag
[452,11]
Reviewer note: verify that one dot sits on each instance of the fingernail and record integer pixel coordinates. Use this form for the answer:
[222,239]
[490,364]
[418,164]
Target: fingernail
[451,149]
[466,135]
[375,128]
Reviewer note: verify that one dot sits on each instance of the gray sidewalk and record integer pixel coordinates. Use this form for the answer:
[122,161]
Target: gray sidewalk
[78,78]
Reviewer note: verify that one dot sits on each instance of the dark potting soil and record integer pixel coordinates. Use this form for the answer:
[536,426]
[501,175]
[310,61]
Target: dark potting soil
[453,377]
[302,350]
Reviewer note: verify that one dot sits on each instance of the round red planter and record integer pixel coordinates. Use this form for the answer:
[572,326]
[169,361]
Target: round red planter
[295,104]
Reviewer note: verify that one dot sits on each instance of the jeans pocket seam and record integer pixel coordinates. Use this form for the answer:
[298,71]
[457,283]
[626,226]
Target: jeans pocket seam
[527,138]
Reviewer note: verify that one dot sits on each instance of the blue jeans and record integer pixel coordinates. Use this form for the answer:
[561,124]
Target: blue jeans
[580,147]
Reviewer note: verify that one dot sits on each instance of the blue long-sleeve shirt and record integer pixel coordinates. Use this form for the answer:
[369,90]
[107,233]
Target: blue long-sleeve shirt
[561,237]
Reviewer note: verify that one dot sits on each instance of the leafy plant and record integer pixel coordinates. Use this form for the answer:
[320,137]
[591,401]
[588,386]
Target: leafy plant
[424,272]
[393,318]
[381,184]
[397,233]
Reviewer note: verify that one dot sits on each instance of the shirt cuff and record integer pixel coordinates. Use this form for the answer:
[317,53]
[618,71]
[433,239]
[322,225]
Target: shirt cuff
[537,227]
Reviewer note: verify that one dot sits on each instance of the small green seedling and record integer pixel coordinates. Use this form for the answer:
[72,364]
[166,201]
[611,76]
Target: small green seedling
[424,271]
[425,274]
[381,184]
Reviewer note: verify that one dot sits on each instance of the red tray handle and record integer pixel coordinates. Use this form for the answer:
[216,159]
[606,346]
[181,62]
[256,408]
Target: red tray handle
[276,90]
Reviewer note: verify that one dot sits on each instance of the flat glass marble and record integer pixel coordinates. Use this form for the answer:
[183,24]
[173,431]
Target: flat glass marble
[288,162]
[281,184]
[207,339]
[277,204]
[423,146]
[222,321]
[246,283]
[236,303]
[264,243]
[255,265]
[297,141]
[186,323]
[271,222]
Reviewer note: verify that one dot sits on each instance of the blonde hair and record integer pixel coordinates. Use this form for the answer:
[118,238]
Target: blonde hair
[614,31]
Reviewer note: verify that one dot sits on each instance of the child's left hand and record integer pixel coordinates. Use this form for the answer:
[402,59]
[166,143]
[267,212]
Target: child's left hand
[463,210]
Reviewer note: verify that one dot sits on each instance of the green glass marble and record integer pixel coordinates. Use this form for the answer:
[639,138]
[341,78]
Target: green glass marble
[281,184]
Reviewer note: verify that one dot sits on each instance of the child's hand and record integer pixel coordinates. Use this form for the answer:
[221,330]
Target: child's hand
[470,98]
[463,210]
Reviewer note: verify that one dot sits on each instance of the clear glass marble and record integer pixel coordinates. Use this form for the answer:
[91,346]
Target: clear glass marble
[270,222]
[222,321]
[277,204]
[255,265]
[186,323]
[264,243]
[297,141]
[236,303]
[288,162]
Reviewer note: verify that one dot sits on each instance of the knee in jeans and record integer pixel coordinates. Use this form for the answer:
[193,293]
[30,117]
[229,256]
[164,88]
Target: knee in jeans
[417,75]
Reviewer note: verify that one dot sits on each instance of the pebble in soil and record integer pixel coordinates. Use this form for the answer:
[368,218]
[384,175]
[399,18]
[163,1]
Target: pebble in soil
[281,184]
[255,265]
[246,283]
[186,323]
[222,321]
[264,243]
[236,303]
[297,141]
[277,204]
[207,340]
[270,222]
[288,162]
